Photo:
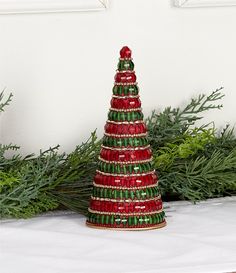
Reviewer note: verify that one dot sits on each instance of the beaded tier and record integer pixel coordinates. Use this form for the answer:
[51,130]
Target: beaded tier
[125,192]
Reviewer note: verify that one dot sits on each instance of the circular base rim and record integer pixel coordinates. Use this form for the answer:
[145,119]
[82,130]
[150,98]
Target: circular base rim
[129,229]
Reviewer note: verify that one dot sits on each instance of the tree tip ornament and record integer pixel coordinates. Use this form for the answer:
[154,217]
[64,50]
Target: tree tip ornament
[125,52]
[125,193]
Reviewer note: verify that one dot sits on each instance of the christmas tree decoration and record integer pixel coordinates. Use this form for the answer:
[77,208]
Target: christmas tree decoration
[125,192]
[193,164]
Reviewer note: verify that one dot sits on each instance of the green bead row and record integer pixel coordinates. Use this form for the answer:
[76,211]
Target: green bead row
[125,65]
[125,116]
[125,90]
[142,194]
[126,220]
[125,169]
[125,142]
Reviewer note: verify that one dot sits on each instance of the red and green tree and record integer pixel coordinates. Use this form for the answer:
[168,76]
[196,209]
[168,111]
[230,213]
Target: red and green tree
[125,189]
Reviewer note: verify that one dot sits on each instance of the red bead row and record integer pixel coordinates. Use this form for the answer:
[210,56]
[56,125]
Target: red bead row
[112,128]
[125,77]
[125,155]
[126,181]
[126,207]
[127,103]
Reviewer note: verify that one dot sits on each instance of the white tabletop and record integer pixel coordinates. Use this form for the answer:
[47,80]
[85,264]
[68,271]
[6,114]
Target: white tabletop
[198,238]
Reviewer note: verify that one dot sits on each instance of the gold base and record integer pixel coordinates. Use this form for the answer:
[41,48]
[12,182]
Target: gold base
[129,229]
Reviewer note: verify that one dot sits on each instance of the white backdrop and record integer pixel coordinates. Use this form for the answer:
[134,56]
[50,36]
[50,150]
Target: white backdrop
[60,67]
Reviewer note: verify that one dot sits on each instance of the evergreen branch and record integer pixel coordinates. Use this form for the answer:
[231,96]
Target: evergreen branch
[200,178]
[171,124]
[193,163]
[6,102]
[7,163]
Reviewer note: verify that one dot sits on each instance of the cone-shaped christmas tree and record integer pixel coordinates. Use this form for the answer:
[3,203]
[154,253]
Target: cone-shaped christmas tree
[125,189]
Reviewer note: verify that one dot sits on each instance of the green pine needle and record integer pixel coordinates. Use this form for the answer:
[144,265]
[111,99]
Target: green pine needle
[193,163]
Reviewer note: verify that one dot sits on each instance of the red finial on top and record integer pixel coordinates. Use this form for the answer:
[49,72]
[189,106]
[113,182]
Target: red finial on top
[125,52]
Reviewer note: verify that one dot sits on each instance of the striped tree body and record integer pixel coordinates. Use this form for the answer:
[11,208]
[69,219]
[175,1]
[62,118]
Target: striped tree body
[125,192]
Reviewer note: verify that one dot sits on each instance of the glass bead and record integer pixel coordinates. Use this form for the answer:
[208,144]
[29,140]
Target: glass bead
[132,103]
[97,218]
[141,141]
[115,207]
[125,65]
[135,220]
[137,193]
[118,220]
[146,180]
[125,77]
[121,208]
[107,219]
[115,194]
[102,219]
[121,157]
[128,117]
[127,208]
[155,191]
[133,89]
[136,168]
[125,52]
[132,195]
[133,115]
[146,219]
[109,193]
[118,114]
[117,181]
[125,103]
[94,192]
[120,90]
[115,89]
[136,142]
[132,207]
[101,192]
[112,219]
[148,193]
[130,141]
[130,221]
[143,194]
[112,169]
[140,220]
[123,182]
[124,169]
[122,116]
[124,221]
[126,90]
[105,193]
[147,206]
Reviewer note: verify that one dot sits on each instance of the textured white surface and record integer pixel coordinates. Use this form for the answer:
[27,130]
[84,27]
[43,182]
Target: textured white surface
[198,238]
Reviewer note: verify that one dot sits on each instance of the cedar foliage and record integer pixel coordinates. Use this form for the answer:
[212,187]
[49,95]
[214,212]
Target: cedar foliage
[192,162]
